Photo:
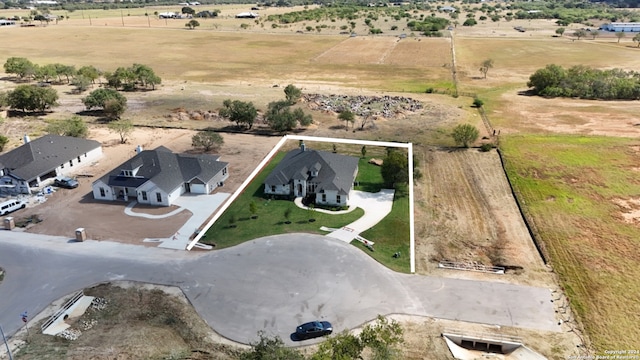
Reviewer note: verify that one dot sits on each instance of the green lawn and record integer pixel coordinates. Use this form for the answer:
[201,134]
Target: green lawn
[571,188]
[391,235]
[270,216]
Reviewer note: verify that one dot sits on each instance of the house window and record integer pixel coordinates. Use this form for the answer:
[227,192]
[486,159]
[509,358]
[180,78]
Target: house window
[273,188]
[127,173]
[85,154]
[159,197]
[62,166]
[79,159]
[224,171]
[102,193]
[144,195]
[338,199]
[70,162]
[324,197]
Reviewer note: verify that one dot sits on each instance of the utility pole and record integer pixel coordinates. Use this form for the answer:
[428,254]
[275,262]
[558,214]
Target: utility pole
[6,344]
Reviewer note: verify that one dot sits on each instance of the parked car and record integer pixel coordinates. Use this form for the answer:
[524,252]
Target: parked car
[313,329]
[66,182]
[11,206]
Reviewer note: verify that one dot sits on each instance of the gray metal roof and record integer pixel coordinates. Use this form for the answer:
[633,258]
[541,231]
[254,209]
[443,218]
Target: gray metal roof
[166,169]
[335,171]
[44,154]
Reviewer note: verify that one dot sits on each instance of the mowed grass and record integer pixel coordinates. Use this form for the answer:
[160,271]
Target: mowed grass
[569,186]
[271,218]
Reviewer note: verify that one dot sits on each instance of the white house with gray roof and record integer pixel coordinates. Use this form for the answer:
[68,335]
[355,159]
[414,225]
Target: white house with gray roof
[326,176]
[159,177]
[31,164]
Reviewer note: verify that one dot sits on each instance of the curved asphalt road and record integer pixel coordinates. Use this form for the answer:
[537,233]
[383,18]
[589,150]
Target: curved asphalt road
[270,284]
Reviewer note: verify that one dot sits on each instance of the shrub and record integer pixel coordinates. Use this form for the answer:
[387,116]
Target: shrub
[478,103]
[486,147]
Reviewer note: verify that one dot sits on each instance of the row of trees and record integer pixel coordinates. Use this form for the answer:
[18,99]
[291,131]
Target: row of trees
[131,78]
[585,82]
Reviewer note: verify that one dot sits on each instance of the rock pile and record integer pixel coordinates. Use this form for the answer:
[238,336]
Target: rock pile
[365,106]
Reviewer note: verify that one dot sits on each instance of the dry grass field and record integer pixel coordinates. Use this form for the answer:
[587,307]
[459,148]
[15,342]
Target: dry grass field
[200,68]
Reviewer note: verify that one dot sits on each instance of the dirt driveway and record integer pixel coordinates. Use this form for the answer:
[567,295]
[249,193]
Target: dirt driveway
[66,210]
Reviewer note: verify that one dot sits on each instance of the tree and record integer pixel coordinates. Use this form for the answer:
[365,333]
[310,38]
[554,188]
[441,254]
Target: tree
[395,168]
[111,101]
[270,349]
[580,33]
[3,99]
[464,134]
[192,24]
[342,346]
[287,213]
[45,73]
[65,70]
[348,117]
[90,72]
[469,22]
[253,208]
[363,151]
[187,10]
[121,127]
[3,142]
[383,338]
[73,126]
[240,112]
[478,103]
[620,35]
[594,34]
[19,66]
[207,140]
[485,66]
[280,117]
[32,98]
[292,93]
[637,39]
[560,31]
[81,83]
[145,76]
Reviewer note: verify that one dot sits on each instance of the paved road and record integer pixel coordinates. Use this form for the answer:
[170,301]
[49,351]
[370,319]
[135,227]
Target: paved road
[269,284]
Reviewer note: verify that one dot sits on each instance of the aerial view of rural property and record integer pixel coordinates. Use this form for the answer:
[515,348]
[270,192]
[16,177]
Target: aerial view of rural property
[319,180]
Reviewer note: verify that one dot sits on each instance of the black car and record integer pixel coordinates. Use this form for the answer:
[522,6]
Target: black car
[313,329]
[66,182]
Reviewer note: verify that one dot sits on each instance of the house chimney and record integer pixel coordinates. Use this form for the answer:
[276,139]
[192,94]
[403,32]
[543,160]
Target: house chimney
[26,138]
[302,146]
[138,149]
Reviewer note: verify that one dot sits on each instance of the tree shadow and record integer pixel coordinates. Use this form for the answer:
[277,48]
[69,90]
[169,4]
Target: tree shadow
[23,114]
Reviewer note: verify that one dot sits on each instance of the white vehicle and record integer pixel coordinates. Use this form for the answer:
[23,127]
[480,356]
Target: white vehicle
[11,205]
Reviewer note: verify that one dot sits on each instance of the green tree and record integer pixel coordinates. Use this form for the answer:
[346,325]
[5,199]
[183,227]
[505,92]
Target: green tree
[240,112]
[207,140]
[478,103]
[145,76]
[253,208]
[363,151]
[3,99]
[292,93]
[383,338]
[90,72]
[348,117]
[192,24]
[32,98]
[594,34]
[620,35]
[80,83]
[395,169]
[65,70]
[3,142]
[121,127]
[187,10]
[580,33]
[485,66]
[45,73]
[637,39]
[464,134]
[111,101]
[268,348]
[73,126]
[560,31]
[469,22]
[19,66]
[280,117]
[342,346]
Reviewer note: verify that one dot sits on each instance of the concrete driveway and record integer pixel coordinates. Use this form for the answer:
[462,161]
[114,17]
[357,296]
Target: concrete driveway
[270,284]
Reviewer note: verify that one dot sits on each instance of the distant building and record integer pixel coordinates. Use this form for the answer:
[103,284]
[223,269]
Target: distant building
[247,15]
[622,27]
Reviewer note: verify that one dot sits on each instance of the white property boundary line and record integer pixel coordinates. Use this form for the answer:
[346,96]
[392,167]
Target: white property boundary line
[408,146]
